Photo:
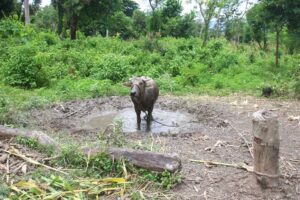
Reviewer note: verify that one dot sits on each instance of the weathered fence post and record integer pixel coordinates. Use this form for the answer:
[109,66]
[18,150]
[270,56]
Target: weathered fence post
[266,148]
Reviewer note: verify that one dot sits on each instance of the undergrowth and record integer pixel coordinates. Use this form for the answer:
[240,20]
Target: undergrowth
[38,68]
[89,176]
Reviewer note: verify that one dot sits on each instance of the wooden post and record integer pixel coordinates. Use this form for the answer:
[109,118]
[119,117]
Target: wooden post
[266,148]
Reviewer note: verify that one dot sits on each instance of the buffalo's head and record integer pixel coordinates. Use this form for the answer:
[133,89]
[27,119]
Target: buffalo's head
[137,85]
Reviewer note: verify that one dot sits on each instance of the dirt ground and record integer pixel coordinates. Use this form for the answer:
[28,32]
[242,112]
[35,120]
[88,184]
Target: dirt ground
[212,132]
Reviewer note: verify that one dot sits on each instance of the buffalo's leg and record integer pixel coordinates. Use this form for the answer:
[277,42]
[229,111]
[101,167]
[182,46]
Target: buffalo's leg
[150,113]
[149,118]
[138,118]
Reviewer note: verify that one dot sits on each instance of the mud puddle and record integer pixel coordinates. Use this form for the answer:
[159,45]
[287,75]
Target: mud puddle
[168,122]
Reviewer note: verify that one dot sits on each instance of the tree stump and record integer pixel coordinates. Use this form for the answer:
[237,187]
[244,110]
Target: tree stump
[266,148]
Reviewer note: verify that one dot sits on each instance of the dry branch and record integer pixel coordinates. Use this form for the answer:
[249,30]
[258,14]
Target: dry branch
[15,152]
[238,166]
[244,139]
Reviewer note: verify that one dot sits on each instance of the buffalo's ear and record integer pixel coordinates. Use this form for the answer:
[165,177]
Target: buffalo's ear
[144,78]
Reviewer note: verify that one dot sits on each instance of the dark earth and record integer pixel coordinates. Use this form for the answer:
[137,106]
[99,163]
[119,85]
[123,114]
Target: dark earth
[199,127]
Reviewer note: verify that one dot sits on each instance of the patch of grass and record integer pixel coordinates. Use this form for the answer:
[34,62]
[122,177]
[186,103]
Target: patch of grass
[33,144]
[4,190]
[164,180]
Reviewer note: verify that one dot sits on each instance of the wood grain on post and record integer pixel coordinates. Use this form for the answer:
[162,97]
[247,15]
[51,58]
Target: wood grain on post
[266,148]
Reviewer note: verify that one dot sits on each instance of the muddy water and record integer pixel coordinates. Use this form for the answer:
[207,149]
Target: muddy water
[167,121]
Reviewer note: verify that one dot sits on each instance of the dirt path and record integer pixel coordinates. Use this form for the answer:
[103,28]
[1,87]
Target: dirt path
[208,131]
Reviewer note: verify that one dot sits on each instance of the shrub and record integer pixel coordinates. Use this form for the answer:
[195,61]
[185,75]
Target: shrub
[10,28]
[22,70]
[112,66]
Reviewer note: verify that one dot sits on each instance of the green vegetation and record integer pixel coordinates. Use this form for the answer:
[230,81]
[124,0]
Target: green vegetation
[87,175]
[58,70]
[33,144]
[87,49]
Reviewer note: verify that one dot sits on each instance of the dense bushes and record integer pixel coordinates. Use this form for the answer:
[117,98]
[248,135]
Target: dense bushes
[33,59]
[21,68]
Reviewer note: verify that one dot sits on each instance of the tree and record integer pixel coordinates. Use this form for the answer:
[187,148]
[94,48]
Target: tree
[129,7]
[139,22]
[170,17]
[257,21]
[275,15]
[154,4]
[58,5]
[155,21]
[121,24]
[46,18]
[188,25]
[207,11]
[172,8]
[97,16]
[279,14]
[232,19]
[7,7]
[26,11]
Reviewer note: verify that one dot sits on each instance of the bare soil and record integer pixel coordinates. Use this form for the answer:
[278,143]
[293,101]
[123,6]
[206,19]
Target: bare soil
[210,129]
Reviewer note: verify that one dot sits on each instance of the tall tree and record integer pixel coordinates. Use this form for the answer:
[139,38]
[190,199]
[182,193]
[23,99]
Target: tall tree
[139,22]
[257,20]
[172,8]
[46,18]
[234,19]
[26,12]
[58,5]
[275,12]
[207,11]
[97,17]
[129,6]
[154,4]
[7,7]
[155,20]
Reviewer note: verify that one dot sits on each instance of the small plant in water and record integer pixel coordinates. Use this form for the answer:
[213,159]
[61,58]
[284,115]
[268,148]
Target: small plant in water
[113,135]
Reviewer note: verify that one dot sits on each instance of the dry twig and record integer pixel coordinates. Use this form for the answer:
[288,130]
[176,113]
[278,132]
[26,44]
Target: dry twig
[15,152]
[238,166]
[245,140]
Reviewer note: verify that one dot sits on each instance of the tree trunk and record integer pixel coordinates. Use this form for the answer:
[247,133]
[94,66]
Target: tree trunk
[266,148]
[60,10]
[205,37]
[73,27]
[265,38]
[277,47]
[26,11]
[260,47]
[218,23]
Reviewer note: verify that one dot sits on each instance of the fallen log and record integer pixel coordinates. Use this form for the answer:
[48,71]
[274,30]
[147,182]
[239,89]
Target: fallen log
[145,159]
[41,137]
[148,160]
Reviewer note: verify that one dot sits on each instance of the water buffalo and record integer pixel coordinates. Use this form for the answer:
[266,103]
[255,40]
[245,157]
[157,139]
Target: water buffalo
[144,93]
